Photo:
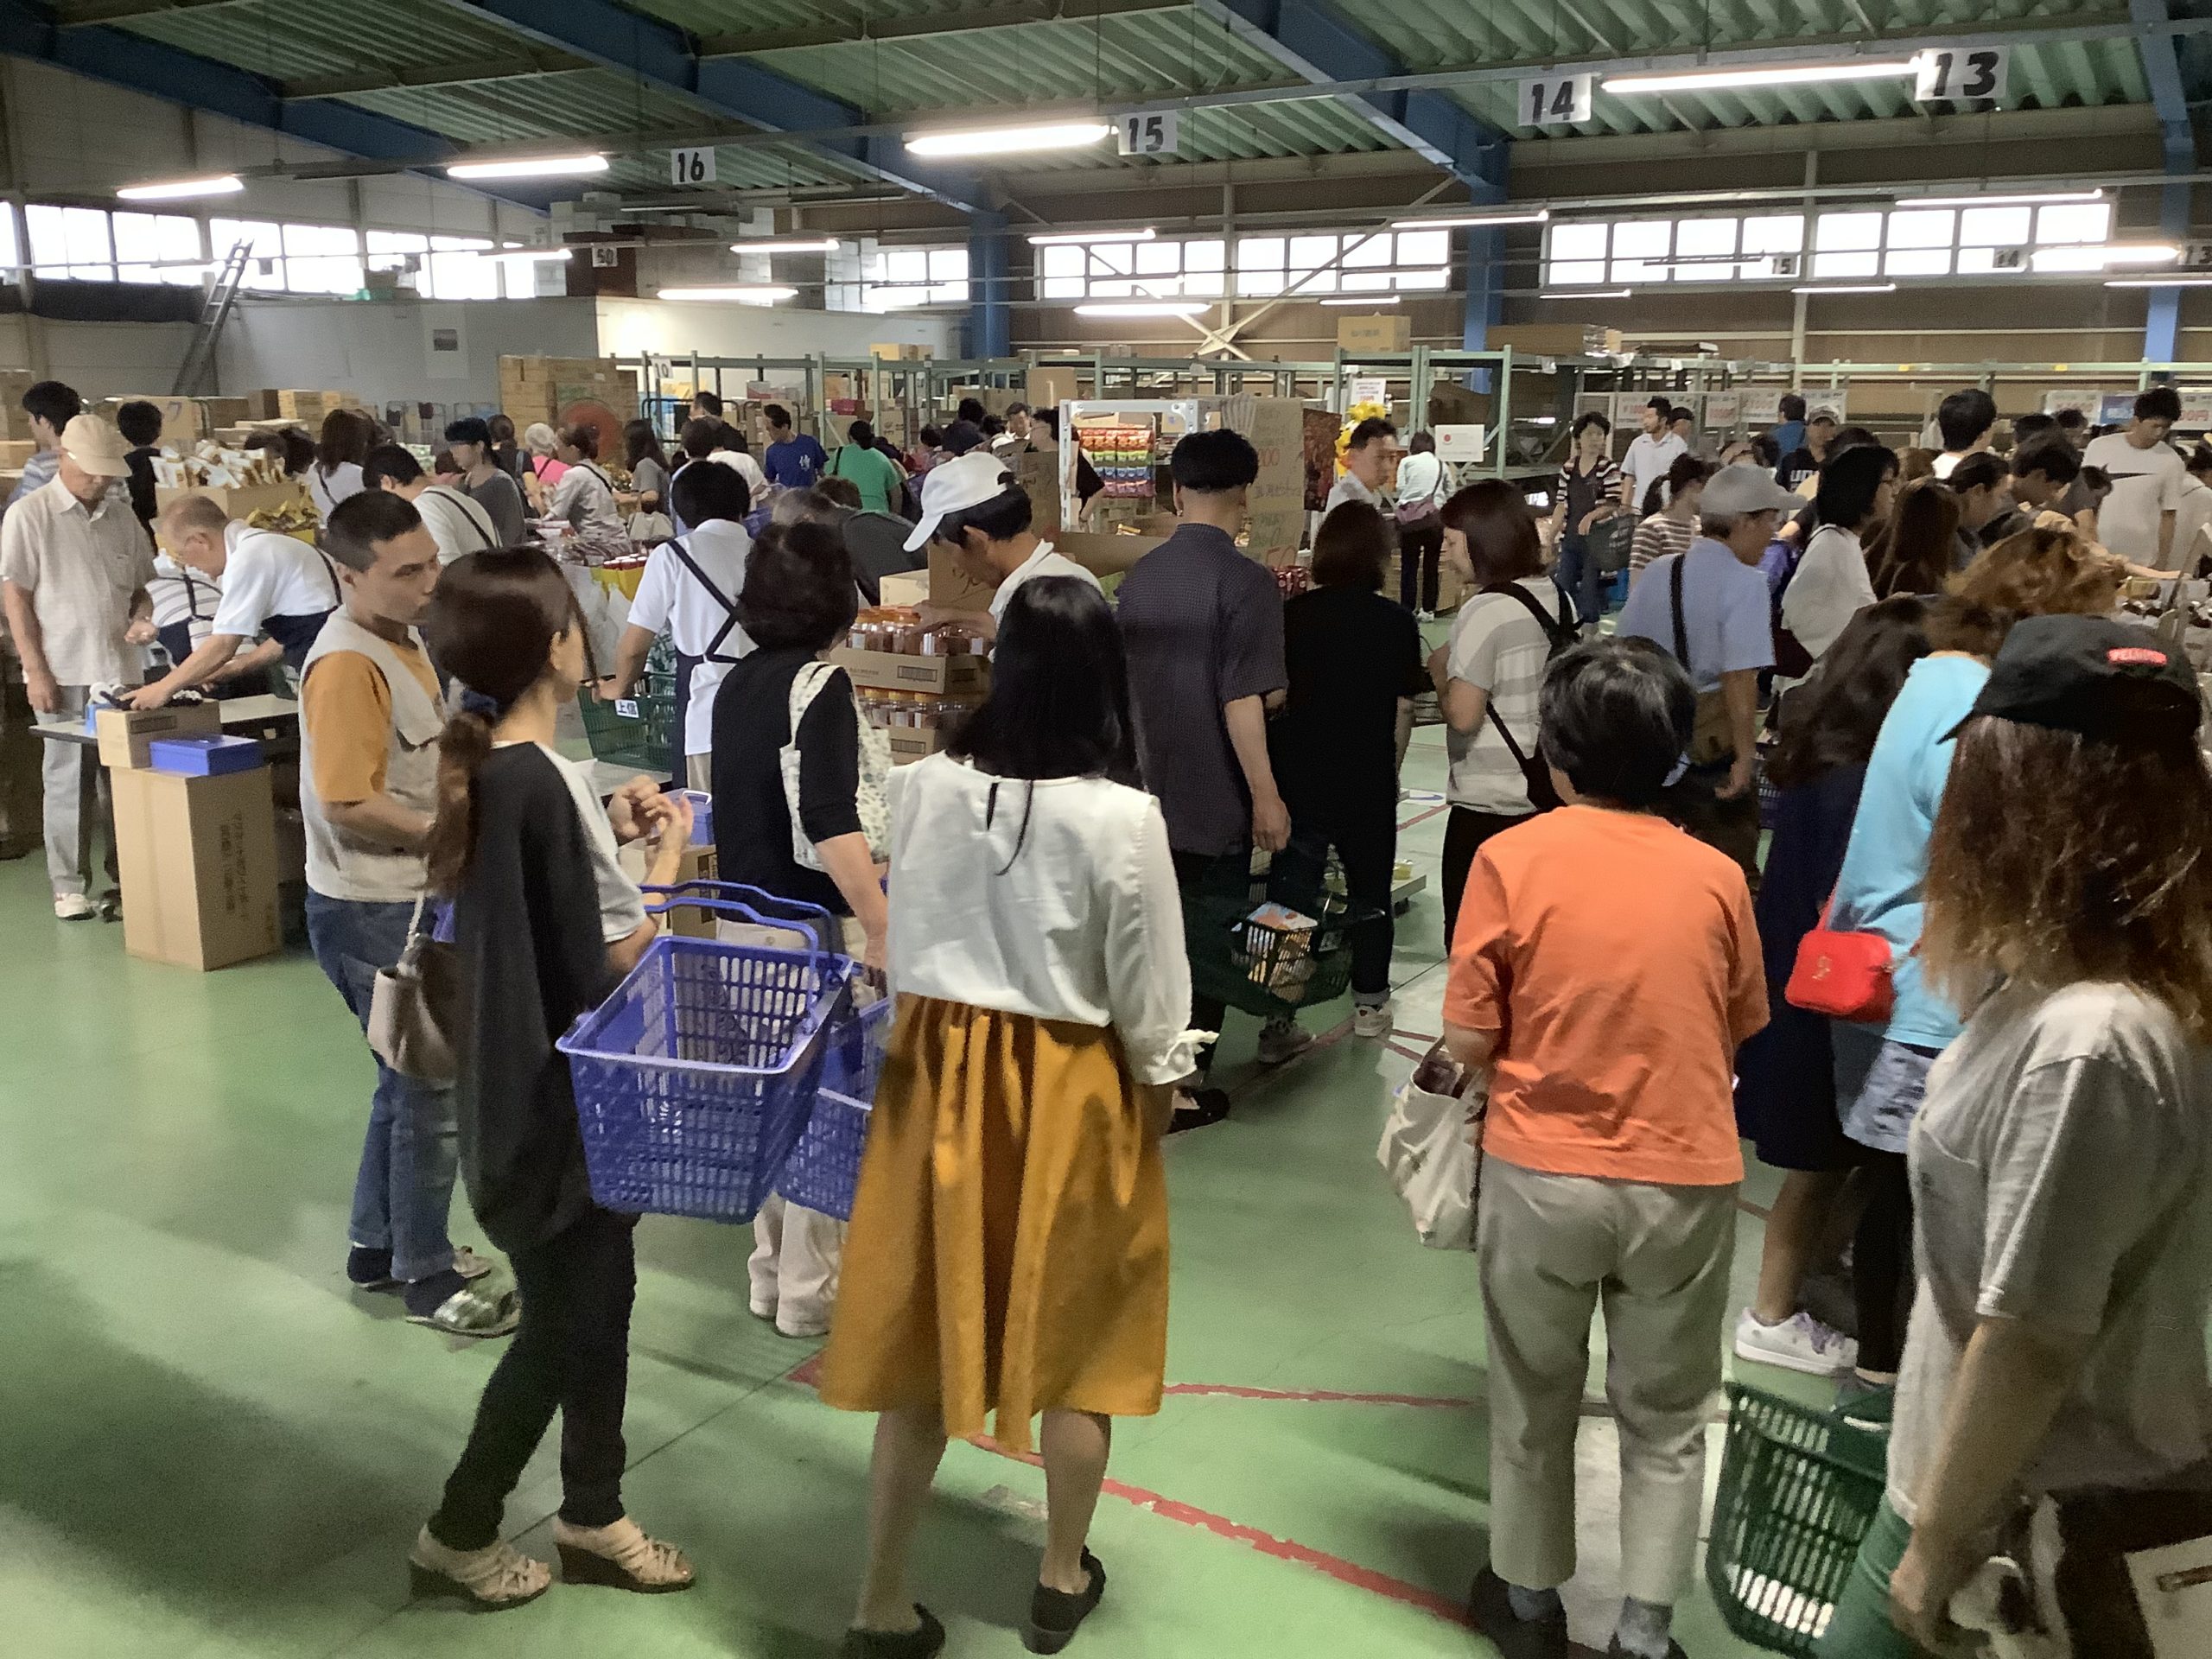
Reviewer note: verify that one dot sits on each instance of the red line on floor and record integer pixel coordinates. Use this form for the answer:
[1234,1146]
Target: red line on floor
[1750,1209]
[1324,1396]
[1423,817]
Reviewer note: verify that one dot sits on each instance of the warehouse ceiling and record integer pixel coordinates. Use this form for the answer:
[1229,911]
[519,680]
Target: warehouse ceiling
[1255,80]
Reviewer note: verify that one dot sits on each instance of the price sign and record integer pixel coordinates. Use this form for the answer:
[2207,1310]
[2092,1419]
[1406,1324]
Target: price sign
[1150,134]
[1961,76]
[687,167]
[1556,100]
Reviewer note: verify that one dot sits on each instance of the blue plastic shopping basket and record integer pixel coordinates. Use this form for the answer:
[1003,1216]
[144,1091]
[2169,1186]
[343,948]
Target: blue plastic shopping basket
[695,1078]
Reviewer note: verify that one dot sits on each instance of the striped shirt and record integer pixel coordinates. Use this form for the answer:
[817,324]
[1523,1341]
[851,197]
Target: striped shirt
[1498,648]
[1582,491]
[1656,537]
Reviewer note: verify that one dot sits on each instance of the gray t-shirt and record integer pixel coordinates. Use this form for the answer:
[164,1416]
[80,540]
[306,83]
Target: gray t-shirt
[2062,1175]
[500,496]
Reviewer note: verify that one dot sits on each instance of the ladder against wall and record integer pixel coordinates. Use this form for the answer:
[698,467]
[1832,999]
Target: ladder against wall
[200,358]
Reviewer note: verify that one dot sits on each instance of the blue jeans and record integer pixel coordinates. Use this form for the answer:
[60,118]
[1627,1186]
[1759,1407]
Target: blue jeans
[1578,577]
[404,1189]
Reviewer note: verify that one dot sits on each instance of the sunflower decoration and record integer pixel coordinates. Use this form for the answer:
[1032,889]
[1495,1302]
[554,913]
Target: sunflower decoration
[1368,410]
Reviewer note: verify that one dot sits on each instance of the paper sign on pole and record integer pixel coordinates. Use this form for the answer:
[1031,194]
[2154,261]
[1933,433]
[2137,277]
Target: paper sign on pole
[1723,409]
[2084,404]
[1760,405]
[1458,443]
[1276,426]
[1368,389]
[2196,406]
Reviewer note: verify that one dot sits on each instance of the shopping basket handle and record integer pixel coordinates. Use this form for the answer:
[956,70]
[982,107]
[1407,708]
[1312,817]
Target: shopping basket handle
[759,898]
[731,907]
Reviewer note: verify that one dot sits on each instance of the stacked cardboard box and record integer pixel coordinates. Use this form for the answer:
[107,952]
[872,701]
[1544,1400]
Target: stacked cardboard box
[14,383]
[887,352]
[1377,333]
[1556,339]
[546,388]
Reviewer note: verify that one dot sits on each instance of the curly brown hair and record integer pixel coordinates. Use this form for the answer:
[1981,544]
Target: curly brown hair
[2058,858]
[2039,572]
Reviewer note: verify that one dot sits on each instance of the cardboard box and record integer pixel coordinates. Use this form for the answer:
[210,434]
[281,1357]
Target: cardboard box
[198,862]
[306,407]
[14,383]
[888,352]
[912,743]
[884,670]
[1554,339]
[910,589]
[225,411]
[1277,498]
[252,498]
[547,388]
[184,420]
[1375,333]
[15,454]
[127,734]
[1049,387]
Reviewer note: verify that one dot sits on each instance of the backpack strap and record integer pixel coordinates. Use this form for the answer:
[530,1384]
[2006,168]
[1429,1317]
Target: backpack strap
[1556,629]
[1682,628]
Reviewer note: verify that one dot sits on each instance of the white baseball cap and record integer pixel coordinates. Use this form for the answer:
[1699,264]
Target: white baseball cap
[1736,491]
[955,486]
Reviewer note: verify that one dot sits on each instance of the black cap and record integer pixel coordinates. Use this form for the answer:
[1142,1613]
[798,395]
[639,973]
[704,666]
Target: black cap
[2095,676]
[961,437]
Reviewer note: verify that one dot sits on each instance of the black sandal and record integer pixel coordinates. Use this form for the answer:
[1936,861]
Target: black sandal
[925,1641]
[1055,1614]
[1211,1106]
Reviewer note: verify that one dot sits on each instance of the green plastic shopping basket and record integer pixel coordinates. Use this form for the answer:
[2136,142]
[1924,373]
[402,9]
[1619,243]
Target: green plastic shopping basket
[1798,1494]
[635,731]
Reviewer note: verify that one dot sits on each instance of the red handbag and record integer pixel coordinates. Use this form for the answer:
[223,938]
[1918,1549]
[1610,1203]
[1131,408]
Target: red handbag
[1843,976]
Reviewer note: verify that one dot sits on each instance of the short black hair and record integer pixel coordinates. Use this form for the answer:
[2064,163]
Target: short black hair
[2070,420]
[2157,403]
[1683,412]
[1849,483]
[969,409]
[961,437]
[364,518]
[1368,430]
[2026,426]
[931,436]
[798,587]
[2050,454]
[1980,471]
[140,423]
[862,432]
[993,426]
[777,415]
[1212,463]
[1585,420]
[1351,547]
[1615,716]
[390,461]
[53,402]
[729,440]
[1765,450]
[1965,416]
[1016,408]
[709,401]
[1793,407]
[1663,404]
[707,490]
[1852,437]
[469,428]
[999,519]
[697,438]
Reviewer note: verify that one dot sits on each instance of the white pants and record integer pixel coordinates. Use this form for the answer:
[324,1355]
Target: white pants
[1553,1248]
[796,1255]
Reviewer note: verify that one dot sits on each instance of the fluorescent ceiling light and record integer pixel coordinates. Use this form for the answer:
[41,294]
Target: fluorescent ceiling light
[1756,75]
[1363,299]
[1008,141]
[1059,237]
[2016,199]
[742,293]
[1461,221]
[788,245]
[2158,281]
[2096,256]
[531,256]
[1845,288]
[1585,294]
[222,184]
[1145,309]
[529,167]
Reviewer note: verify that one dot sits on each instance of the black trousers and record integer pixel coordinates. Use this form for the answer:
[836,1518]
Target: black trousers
[1365,836]
[1464,831]
[1191,871]
[571,1353]
[1883,1282]
[1420,552]
[1731,827]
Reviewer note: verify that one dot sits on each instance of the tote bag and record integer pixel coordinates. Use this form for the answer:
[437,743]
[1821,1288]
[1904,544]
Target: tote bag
[1430,1151]
[874,769]
[414,1011]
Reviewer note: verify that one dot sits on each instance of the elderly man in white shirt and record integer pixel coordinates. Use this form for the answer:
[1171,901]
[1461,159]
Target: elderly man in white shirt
[74,562]
[273,584]
[974,506]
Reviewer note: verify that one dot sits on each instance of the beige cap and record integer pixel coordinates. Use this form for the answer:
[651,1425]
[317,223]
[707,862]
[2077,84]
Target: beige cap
[96,447]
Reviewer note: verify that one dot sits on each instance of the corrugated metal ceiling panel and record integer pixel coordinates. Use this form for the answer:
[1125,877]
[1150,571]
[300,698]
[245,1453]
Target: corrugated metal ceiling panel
[290,40]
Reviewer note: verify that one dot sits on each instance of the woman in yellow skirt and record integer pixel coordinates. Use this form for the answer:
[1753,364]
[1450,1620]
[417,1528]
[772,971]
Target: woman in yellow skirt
[1008,1246]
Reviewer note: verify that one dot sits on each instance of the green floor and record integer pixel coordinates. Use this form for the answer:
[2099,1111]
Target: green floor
[211,1448]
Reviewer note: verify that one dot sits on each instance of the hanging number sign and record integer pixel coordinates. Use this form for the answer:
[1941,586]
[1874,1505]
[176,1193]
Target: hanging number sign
[691,166]
[1556,100]
[1954,74]
[1150,134]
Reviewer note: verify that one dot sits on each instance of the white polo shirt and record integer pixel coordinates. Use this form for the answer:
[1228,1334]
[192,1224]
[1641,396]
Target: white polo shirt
[82,567]
[1043,562]
[1647,462]
[271,574]
[670,597]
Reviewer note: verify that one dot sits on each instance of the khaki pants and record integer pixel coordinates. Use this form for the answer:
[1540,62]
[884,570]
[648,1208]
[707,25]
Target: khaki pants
[699,772]
[1552,1249]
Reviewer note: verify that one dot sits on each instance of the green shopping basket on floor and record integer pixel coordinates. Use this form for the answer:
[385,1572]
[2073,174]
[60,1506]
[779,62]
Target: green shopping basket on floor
[637,731]
[1798,1494]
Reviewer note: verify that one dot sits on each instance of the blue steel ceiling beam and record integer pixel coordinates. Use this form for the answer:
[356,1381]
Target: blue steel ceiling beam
[2170,99]
[662,55]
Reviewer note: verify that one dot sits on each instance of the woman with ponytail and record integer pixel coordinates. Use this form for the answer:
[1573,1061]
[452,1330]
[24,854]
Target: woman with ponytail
[545,923]
[1669,509]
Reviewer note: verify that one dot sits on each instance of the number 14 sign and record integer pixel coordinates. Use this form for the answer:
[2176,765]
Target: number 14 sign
[1556,100]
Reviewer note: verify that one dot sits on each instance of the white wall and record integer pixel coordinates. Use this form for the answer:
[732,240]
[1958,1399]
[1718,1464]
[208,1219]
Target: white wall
[382,350]
[636,327]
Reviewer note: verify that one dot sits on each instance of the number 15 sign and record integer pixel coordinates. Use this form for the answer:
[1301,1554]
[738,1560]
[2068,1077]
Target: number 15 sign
[1556,100]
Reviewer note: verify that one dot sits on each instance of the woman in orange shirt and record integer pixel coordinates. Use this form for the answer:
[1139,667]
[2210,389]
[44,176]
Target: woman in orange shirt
[1605,969]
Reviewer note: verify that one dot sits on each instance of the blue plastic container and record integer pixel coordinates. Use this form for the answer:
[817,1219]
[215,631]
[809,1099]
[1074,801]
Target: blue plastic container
[203,756]
[703,815]
[824,1169]
[696,1077]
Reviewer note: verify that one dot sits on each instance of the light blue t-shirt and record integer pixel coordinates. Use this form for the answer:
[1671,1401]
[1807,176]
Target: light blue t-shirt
[1725,611]
[1886,866]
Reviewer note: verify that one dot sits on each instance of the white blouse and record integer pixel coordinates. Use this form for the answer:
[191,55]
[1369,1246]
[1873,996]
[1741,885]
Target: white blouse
[586,500]
[343,482]
[1085,925]
[1830,588]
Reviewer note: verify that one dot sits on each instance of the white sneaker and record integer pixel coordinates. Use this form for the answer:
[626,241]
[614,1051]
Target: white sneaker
[73,907]
[1372,1020]
[1282,1040]
[1800,1342]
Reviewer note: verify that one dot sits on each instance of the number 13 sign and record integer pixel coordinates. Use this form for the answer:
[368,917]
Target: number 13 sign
[1950,73]
[1556,100]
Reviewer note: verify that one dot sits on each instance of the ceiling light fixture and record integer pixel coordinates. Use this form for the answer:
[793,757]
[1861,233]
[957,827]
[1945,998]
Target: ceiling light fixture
[2098,255]
[1475,221]
[740,292]
[1059,239]
[788,245]
[1585,294]
[1008,141]
[1769,74]
[1145,309]
[222,184]
[1845,288]
[2017,199]
[531,255]
[529,167]
[1363,299]
[2158,281]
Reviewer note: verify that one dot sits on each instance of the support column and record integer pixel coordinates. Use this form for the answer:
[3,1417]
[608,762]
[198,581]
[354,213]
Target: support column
[990,297]
[2162,321]
[1485,260]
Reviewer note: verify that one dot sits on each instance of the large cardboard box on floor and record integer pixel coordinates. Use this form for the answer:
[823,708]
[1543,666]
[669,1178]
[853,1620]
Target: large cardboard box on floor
[125,733]
[198,862]
[1377,333]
